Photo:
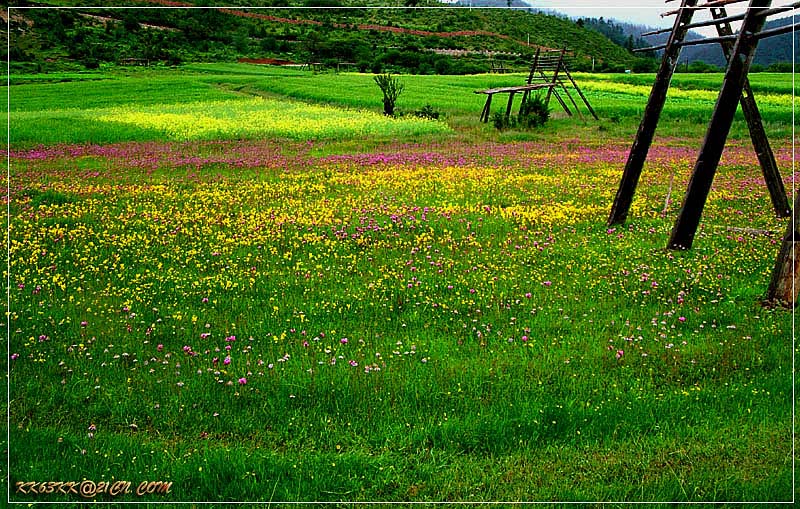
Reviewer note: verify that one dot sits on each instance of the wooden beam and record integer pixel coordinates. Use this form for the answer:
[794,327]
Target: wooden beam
[555,77]
[652,112]
[776,31]
[758,136]
[784,284]
[585,101]
[510,103]
[718,128]
[487,109]
[736,17]
[713,3]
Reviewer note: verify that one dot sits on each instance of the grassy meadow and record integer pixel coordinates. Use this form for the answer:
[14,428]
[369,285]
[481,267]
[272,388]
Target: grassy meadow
[250,284]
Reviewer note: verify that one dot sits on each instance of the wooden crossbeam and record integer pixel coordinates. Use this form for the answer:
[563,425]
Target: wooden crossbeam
[546,71]
[727,19]
[521,88]
[511,91]
[713,3]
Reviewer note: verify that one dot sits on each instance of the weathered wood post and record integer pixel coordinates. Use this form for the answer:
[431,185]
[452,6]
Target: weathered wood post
[555,76]
[758,136]
[785,282]
[718,128]
[647,128]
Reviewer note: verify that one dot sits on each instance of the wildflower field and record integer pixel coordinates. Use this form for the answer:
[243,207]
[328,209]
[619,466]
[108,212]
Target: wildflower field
[245,310]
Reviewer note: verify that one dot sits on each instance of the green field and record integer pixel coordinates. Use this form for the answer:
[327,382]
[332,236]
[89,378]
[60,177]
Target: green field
[344,307]
[68,112]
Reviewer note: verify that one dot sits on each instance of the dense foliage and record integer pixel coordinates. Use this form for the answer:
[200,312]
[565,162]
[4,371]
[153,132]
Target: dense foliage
[420,41]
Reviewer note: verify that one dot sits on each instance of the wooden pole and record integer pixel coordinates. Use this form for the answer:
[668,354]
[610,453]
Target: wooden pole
[718,128]
[785,282]
[758,135]
[510,103]
[486,109]
[585,101]
[644,136]
[531,74]
[555,77]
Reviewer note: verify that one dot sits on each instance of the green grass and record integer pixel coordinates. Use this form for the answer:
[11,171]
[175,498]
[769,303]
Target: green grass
[507,345]
[58,113]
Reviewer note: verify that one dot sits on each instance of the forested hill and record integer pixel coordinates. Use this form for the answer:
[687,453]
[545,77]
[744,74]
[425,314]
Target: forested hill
[772,50]
[443,40]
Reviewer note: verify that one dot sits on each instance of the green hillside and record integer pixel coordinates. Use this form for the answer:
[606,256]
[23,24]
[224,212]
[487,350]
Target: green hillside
[454,40]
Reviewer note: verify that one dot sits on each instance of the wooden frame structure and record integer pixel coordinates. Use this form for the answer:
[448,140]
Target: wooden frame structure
[498,67]
[739,50]
[548,71]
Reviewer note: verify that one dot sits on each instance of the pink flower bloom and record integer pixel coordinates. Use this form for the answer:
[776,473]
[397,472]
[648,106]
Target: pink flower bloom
[243,381]
[227,360]
[160,347]
[547,283]
[528,295]
[230,338]
[14,356]
[620,353]
[84,323]
[205,299]
[353,363]
[343,341]
[681,318]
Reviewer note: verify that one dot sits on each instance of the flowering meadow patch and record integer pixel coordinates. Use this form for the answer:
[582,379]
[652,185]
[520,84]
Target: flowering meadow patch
[264,118]
[355,326]
[778,100]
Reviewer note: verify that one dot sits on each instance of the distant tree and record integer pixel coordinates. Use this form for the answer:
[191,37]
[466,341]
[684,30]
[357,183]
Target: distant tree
[580,23]
[781,67]
[391,87]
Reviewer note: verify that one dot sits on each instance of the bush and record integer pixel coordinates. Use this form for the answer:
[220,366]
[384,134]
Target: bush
[500,121]
[781,67]
[534,112]
[428,112]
